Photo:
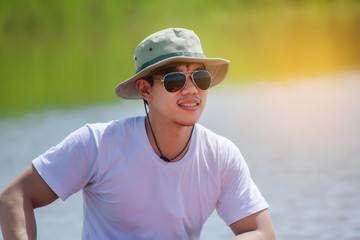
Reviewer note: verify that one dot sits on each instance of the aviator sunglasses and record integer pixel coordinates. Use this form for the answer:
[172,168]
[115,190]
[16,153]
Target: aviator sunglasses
[175,81]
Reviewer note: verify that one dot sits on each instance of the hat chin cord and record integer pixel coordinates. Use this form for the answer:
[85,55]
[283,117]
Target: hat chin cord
[152,132]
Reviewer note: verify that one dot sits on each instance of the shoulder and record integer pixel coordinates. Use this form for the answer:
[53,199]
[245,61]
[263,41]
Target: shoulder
[115,127]
[206,136]
[220,149]
[99,133]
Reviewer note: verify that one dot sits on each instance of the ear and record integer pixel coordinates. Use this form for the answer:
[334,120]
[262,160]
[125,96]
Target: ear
[143,87]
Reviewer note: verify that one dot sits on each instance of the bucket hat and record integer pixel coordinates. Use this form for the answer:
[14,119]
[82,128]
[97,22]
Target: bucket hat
[167,46]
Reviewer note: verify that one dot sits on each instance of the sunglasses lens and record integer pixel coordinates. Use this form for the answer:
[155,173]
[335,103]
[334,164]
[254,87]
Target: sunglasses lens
[202,79]
[173,82]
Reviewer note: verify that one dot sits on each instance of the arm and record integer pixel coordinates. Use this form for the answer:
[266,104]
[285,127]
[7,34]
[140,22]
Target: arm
[18,201]
[257,226]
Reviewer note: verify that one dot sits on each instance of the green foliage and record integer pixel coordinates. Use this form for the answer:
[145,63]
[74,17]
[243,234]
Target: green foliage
[66,53]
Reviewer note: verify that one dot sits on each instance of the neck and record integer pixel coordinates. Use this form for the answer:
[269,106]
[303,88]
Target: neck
[169,141]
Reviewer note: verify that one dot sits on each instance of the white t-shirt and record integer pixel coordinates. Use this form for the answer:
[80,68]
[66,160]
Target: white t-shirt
[130,193]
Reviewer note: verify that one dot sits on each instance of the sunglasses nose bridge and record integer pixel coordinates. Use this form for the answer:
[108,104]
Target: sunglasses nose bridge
[189,80]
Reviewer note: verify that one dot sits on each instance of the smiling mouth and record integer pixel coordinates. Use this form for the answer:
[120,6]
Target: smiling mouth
[190,102]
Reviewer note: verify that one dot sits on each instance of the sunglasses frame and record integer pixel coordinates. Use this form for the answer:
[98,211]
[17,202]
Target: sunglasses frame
[192,79]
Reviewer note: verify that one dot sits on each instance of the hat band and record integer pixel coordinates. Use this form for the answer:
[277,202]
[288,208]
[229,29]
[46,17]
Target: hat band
[170,55]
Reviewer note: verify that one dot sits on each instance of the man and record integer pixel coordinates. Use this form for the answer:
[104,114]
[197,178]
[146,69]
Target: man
[153,177]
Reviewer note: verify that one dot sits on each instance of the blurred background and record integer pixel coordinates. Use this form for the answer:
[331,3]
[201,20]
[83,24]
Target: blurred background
[290,102]
[70,53]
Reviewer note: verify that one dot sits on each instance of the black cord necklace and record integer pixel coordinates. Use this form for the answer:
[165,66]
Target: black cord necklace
[161,155]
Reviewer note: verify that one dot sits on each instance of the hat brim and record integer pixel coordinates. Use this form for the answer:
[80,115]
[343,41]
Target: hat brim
[217,67]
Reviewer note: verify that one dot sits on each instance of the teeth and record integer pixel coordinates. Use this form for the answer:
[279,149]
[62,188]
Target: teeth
[188,104]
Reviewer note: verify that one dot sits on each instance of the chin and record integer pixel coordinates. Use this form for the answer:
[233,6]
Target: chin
[187,123]
[187,119]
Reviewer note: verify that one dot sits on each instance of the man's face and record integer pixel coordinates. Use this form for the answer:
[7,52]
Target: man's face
[182,108]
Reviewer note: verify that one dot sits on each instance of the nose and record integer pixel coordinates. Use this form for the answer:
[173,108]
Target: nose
[189,87]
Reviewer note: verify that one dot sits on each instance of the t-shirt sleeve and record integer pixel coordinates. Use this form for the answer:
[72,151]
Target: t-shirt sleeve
[240,197]
[69,166]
